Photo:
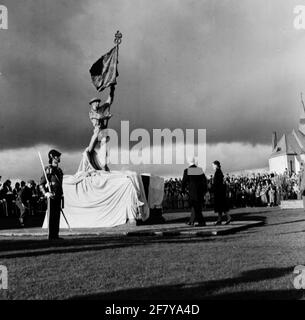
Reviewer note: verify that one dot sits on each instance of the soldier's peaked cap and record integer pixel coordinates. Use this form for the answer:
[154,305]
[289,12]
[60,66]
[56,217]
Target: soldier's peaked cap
[54,153]
[94,100]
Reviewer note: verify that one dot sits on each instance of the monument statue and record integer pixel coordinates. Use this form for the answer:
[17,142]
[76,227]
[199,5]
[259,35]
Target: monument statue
[103,75]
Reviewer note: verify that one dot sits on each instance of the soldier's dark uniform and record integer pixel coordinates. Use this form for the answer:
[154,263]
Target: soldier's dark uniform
[55,177]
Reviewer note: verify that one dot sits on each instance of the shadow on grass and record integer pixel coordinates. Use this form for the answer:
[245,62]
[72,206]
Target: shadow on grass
[290,232]
[34,248]
[206,290]
[286,222]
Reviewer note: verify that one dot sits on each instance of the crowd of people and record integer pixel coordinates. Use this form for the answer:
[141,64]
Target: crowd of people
[252,190]
[24,198]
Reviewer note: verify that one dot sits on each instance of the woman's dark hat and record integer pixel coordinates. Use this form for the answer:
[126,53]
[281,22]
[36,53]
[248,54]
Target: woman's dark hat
[217,163]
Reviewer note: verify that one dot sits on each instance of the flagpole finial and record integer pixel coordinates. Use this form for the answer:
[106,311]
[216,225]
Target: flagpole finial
[118,38]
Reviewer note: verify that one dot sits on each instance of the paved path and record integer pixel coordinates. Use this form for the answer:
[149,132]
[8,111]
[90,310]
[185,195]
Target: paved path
[174,225]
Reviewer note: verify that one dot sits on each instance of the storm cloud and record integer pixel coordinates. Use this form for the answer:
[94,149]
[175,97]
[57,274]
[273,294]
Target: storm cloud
[233,67]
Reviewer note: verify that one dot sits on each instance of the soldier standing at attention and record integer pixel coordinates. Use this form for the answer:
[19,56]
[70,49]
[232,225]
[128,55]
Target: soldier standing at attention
[55,195]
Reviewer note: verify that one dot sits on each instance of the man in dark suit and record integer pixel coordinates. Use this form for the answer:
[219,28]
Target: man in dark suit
[195,179]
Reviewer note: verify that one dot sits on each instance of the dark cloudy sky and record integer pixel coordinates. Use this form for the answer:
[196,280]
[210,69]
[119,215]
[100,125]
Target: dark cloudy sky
[234,67]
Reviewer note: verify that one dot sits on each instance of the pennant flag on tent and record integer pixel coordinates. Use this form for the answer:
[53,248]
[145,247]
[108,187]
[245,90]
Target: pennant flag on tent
[105,70]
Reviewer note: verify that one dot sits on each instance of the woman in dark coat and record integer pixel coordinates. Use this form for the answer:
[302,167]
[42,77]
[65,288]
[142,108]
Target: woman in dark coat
[219,189]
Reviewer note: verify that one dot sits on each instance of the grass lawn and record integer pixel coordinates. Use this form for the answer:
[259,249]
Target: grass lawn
[253,264]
